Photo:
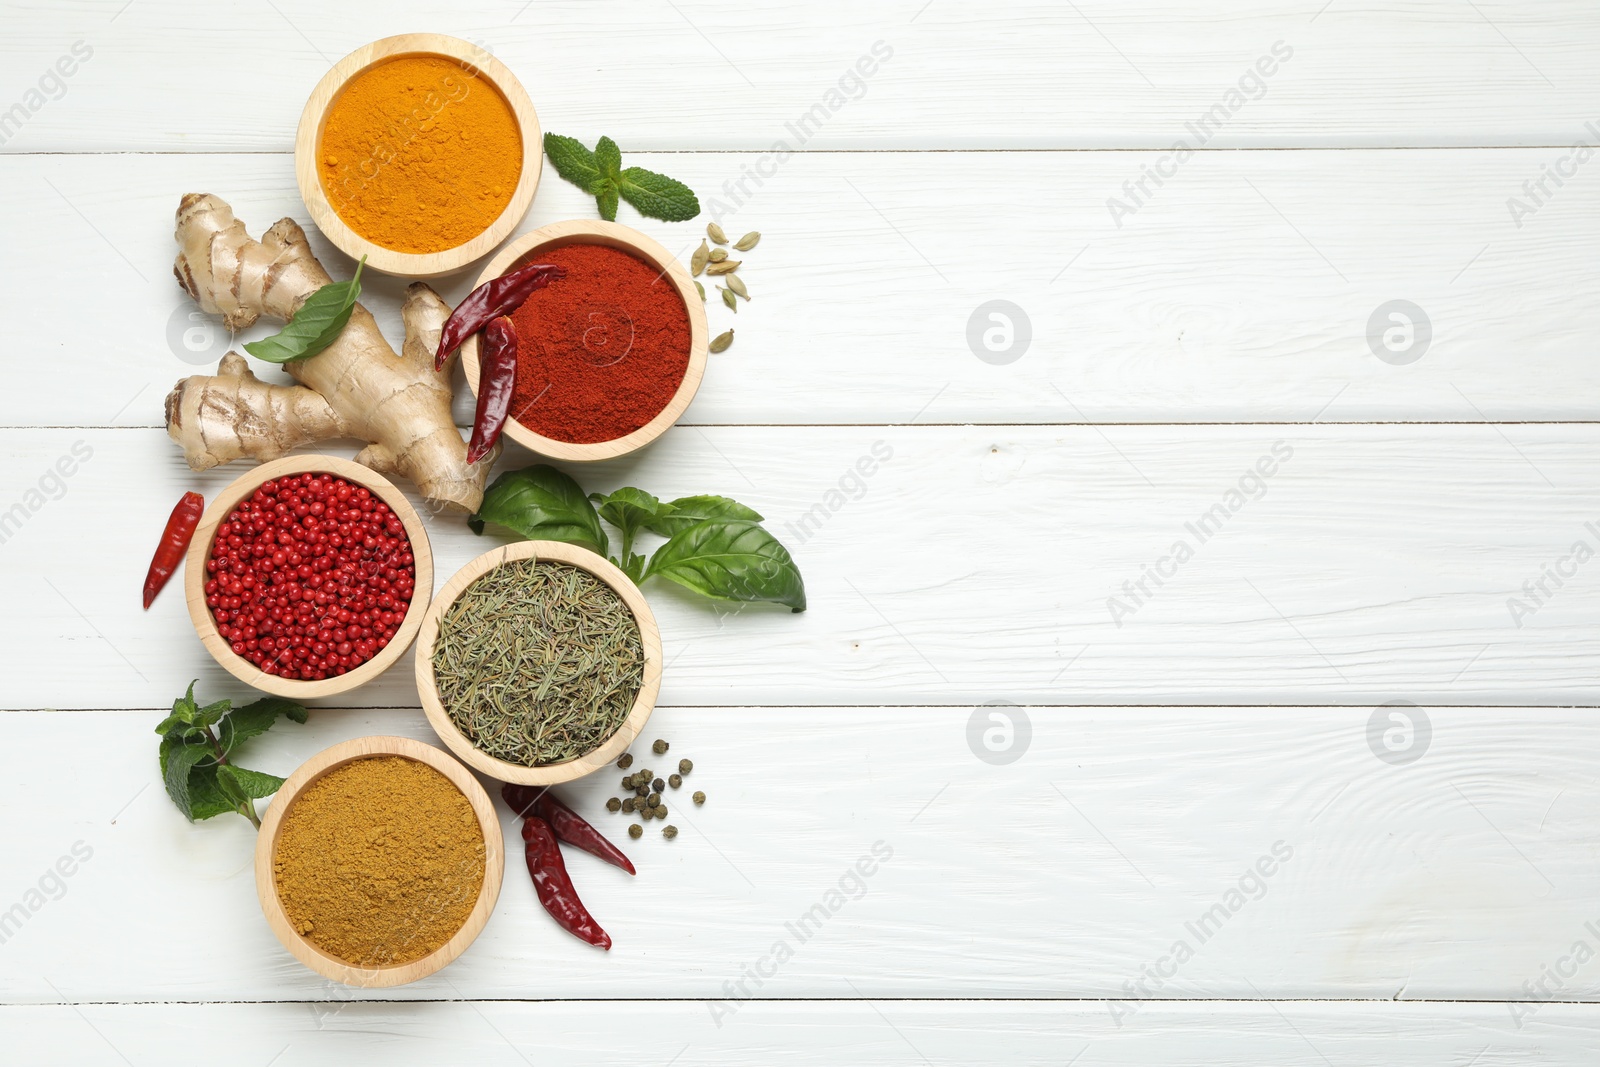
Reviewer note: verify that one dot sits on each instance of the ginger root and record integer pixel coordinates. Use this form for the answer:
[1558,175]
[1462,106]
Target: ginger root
[356,387]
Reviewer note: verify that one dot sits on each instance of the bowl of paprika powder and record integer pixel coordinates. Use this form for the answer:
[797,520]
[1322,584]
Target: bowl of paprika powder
[608,356]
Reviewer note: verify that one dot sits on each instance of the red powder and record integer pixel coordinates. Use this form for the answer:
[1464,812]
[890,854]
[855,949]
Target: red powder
[600,352]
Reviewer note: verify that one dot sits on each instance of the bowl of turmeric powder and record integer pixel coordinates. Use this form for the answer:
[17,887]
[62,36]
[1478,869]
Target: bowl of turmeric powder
[379,861]
[421,152]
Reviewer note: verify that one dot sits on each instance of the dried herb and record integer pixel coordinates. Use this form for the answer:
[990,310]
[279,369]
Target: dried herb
[538,663]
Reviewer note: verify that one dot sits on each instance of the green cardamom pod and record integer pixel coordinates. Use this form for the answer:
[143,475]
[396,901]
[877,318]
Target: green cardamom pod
[716,234]
[748,241]
[729,299]
[718,255]
[736,283]
[727,266]
[697,262]
[702,289]
[721,342]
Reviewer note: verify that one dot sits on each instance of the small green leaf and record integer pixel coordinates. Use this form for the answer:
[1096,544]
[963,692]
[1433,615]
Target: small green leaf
[315,326]
[608,158]
[212,713]
[630,509]
[251,785]
[255,719]
[206,797]
[658,196]
[573,161]
[178,758]
[689,511]
[542,503]
[731,561]
[605,199]
[183,710]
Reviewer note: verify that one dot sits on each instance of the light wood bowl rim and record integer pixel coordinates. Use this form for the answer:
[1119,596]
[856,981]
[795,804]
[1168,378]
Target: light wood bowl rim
[627,239]
[194,577]
[617,743]
[330,966]
[416,265]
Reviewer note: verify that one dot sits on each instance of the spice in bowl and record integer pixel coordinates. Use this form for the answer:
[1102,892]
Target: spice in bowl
[538,662]
[419,153]
[379,861]
[310,576]
[601,353]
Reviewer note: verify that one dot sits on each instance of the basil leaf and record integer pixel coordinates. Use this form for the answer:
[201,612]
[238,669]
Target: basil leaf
[658,196]
[608,157]
[178,758]
[630,509]
[731,561]
[687,511]
[255,719]
[541,503]
[315,326]
[247,784]
[572,160]
[605,199]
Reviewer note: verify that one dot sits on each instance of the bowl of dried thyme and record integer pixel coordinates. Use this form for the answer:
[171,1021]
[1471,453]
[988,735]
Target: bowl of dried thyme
[538,663]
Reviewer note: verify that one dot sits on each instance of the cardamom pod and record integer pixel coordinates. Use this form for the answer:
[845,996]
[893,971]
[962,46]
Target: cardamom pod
[702,290]
[718,255]
[748,241]
[721,342]
[729,299]
[716,234]
[736,283]
[727,266]
[697,262]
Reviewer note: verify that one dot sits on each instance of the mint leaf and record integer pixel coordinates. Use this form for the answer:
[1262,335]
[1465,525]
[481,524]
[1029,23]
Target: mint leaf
[689,511]
[606,199]
[731,561]
[658,196]
[210,714]
[178,758]
[248,784]
[540,502]
[315,326]
[608,157]
[255,719]
[206,798]
[572,161]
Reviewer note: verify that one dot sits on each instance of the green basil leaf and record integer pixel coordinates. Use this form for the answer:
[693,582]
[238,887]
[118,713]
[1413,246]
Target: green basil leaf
[255,719]
[731,561]
[315,326]
[608,157]
[630,509]
[178,758]
[687,511]
[572,160]
[605,199]
[542,504]
[658,196]
[247,784]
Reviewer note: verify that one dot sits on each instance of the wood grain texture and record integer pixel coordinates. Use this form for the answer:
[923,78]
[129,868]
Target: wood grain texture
[893,862]
[1207,305]
[891,1033]
[699,74]
[1375,563]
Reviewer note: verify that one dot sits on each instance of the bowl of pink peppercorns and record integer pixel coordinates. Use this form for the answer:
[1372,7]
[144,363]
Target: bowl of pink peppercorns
[309,576]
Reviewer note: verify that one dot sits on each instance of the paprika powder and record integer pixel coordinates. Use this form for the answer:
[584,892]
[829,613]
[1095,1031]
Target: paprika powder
[602,351]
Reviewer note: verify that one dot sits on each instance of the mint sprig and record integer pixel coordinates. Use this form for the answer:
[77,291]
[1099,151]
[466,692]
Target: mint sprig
[600,174]
[196,760]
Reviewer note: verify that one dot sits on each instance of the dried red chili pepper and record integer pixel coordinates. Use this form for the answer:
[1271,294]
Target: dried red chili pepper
[567,824]
[554,887]
[495,297]
[174,543]
[497,378]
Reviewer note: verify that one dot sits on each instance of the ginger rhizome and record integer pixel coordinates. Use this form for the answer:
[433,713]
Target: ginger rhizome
[357,387]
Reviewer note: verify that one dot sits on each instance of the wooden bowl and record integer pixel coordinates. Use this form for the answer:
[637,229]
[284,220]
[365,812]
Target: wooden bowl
[307,952]
[475,62]
[554,773]
[526,249]
[194,577]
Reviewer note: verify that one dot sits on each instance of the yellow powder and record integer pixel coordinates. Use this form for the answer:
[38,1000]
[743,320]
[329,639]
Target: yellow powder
[379,861]
[419,154]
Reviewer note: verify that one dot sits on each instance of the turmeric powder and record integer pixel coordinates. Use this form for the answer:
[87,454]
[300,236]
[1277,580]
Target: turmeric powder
[379,861]
[419,153]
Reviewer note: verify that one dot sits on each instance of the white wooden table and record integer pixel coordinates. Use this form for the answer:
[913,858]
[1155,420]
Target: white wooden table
[1434,897]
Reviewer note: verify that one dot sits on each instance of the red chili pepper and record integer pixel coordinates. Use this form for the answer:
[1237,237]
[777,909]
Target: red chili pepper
[497,379]
[495,297]
[173,544]
[554,887]
[567,824]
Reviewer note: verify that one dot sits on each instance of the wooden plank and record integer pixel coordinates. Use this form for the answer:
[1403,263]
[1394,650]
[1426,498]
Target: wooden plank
[1027,73]
[894,1034]
[1073,871]
[1241,291]
[1375,563]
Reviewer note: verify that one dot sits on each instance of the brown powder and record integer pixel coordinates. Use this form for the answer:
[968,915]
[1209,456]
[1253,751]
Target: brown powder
[379,861]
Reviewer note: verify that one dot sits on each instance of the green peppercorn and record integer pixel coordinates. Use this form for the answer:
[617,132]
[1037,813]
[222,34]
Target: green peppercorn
[669,832]
[636,831]
[660,747]
[653,800]
[646,774]
[685,766]
[641,790]
[625,761]
[646,813]
[658,785]
[627,782]
[613,804]
[661,811]
[627,806]
[699,797]
[675,780]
